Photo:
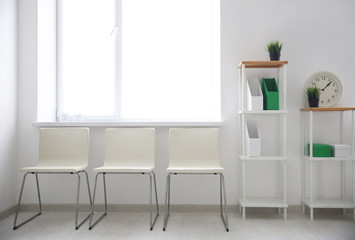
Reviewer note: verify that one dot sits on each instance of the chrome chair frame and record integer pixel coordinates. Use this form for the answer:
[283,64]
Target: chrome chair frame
[151,175]
[77,226]
[223,209]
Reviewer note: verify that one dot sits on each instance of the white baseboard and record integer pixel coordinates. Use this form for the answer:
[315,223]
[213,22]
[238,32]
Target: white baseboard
[122,208]
[145,208]
[7,212]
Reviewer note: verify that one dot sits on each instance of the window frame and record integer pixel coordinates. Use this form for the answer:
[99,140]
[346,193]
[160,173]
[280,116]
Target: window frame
[94,120]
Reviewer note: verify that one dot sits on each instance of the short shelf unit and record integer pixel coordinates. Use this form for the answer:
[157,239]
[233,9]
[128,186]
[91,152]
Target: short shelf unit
[279,72]
[309,199]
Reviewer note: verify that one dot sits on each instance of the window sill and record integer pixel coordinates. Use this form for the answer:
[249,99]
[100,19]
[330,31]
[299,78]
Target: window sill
[128,124]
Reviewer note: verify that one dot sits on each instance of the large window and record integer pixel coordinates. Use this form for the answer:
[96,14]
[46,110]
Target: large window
[126,60]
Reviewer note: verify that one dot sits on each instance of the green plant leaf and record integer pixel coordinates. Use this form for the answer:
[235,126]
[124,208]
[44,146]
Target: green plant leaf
[274,47]
[312,92]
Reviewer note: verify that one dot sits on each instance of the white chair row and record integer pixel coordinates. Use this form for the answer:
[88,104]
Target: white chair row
[127,151]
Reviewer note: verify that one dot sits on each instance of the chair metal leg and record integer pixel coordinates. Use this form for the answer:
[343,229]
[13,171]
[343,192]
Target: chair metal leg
[225,214]
[77,226]
[38,193]
[89,192]
[220,194]
[156,193]
[105,194]
[167,202]
[91,226]
[19,203]
[169,195]
[152,222]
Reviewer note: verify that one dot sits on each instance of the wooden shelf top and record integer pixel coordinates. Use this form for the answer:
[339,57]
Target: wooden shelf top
[328,109]
[262,64]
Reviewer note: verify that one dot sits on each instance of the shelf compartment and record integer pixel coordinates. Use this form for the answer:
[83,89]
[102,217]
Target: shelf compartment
[254,95]
[271,94]
[253,141]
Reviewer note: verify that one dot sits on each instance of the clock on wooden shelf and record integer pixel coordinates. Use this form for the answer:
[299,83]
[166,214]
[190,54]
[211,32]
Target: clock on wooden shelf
[329,85]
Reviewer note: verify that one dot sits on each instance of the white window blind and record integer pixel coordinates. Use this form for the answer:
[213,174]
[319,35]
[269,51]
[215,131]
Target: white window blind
[130,60]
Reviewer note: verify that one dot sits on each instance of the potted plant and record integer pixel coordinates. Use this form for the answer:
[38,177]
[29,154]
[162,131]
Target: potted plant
[274,49]
[313,96]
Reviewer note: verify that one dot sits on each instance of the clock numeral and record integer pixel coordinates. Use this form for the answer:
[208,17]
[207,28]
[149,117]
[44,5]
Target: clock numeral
[322,101]
[314,84]
[323,78]
[317,79]
[335,90]
[333,84]
[328,100]
[333,96]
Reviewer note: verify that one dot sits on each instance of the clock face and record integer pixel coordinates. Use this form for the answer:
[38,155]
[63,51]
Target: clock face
[330,88]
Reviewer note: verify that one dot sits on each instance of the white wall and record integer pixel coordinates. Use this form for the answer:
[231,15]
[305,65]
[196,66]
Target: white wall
[8,102]
[317,35]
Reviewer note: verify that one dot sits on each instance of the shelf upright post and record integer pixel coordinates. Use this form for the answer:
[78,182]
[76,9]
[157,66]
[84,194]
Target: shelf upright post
[341,126]
[279,165]
[342,163]
[241,170]
[303,182]
[242,129]
[243,186]
[284,135]
[285,86]
[243,84]
[353,135]
[242,95]
[311,162]
[353,155]
[285,185]
[284,117]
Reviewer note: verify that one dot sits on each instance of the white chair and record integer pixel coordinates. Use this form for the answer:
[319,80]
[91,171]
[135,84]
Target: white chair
[195,151]
[128,151]
[61,151]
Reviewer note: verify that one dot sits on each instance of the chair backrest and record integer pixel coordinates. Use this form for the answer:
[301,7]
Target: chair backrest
[130,147]
[64,147]
[194,147]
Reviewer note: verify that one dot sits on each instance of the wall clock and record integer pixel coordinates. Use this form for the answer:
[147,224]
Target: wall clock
[330,87]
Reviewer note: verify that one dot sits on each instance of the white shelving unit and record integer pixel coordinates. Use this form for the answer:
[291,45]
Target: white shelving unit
[279,69]
[315,202]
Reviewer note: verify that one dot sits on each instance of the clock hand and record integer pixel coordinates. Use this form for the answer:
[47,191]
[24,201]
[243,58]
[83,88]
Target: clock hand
[326,86]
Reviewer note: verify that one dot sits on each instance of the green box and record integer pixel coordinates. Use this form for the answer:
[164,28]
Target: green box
[321,150]
[271,94]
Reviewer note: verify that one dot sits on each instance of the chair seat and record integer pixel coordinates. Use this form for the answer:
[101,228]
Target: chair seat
[124,169]
[53,169]
[195,170]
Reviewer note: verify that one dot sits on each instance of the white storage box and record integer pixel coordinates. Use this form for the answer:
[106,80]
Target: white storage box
[341,150]
[253,143]
[254,94]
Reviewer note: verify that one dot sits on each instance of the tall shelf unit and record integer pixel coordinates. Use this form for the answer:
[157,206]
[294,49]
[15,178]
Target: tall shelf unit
[280,74]
[309,199]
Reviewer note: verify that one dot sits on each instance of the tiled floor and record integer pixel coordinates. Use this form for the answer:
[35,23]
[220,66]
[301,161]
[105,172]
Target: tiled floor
[186,225]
